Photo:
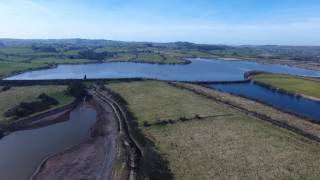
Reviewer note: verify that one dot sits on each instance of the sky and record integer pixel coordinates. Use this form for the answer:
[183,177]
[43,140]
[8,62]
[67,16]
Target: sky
[232,22]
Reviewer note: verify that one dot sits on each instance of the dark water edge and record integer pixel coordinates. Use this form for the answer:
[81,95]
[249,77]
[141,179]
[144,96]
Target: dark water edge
[297,105]
[22,151]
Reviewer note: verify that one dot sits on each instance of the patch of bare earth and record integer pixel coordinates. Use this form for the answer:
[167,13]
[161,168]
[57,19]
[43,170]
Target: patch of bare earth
[93,159]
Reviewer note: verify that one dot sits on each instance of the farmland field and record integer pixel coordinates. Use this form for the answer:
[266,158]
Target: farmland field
[305,86]
[223,144]
[16,95]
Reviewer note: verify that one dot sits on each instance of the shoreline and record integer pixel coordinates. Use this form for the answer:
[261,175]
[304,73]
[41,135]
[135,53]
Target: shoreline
[250,74]
[290,63]
[98,150]
[53,66]
[41,119]
[280,90]
[301,125]
[186,59]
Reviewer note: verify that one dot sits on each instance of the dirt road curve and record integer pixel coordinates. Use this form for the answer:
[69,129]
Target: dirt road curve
[93,159]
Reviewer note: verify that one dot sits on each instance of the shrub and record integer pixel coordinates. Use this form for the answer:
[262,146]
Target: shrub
[5,88]
[183,118]
[146,124]
[47,99]
[171,121]
[42,103]
[76,89]
[197,116]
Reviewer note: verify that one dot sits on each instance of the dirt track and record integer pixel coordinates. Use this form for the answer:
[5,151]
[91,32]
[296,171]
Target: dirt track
[93,159]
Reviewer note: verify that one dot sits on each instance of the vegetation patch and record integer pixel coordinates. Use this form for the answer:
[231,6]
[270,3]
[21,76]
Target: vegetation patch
[154,101]
[221,147]
[76,89]
[43,102]
[293,84]
[16,95]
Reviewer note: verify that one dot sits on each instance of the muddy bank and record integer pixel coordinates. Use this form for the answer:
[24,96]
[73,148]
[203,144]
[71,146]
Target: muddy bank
[92,159]
[39,120]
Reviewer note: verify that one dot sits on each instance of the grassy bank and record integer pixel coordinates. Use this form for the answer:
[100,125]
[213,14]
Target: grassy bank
[14,59]
[223,143]
[8,68]
[16,95]
[294,84]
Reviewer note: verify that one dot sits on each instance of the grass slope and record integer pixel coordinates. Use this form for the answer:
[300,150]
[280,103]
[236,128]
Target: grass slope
[15,95]
[230,147]
[7,68]
[160,101]
[305,86]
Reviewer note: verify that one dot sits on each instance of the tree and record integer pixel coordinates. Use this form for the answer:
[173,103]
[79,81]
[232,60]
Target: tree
[76,89]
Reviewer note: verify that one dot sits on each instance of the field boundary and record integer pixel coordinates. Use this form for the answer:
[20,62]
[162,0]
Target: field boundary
[253,113]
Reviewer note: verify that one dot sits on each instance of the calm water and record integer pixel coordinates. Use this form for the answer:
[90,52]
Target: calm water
[289,103]
[198,70]
[22,151]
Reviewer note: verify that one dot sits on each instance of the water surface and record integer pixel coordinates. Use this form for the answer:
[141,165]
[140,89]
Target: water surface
[298,105]
[198,70]
[22,151]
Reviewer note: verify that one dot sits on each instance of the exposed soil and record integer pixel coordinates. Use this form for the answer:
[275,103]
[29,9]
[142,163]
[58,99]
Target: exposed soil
[93,159]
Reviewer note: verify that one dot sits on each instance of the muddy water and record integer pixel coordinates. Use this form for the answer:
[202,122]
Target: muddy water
[21,152]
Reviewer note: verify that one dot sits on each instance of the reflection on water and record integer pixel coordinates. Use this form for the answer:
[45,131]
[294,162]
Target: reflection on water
[22,151]
[198,70]
[299,105]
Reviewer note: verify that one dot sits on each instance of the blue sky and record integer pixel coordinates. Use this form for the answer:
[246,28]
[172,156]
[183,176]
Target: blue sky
[284,22]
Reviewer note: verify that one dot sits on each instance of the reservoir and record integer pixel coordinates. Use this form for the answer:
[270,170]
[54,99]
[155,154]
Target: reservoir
[286,102]
[197,70]
[23,151]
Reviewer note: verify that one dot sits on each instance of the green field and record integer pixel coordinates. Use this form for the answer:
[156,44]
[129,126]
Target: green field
[7,68]
[148,57]
[305,86]
[234,146]
[159,105]
[16,95]
[53,60]
[23,58]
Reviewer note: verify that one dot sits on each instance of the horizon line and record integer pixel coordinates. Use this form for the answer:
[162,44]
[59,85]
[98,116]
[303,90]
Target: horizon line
[156,42]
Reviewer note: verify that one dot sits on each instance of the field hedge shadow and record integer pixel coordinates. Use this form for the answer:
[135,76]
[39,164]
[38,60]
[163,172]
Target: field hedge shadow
[151,165]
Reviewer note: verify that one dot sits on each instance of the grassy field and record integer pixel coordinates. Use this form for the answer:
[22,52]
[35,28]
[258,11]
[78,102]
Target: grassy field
[158,99]
[305,86]
[7,68]
[236,146]
[15,95]
[53,60]
[148,57]
[16,59]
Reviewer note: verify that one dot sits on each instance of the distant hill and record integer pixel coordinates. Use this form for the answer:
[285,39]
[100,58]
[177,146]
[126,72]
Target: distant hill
[299,53]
